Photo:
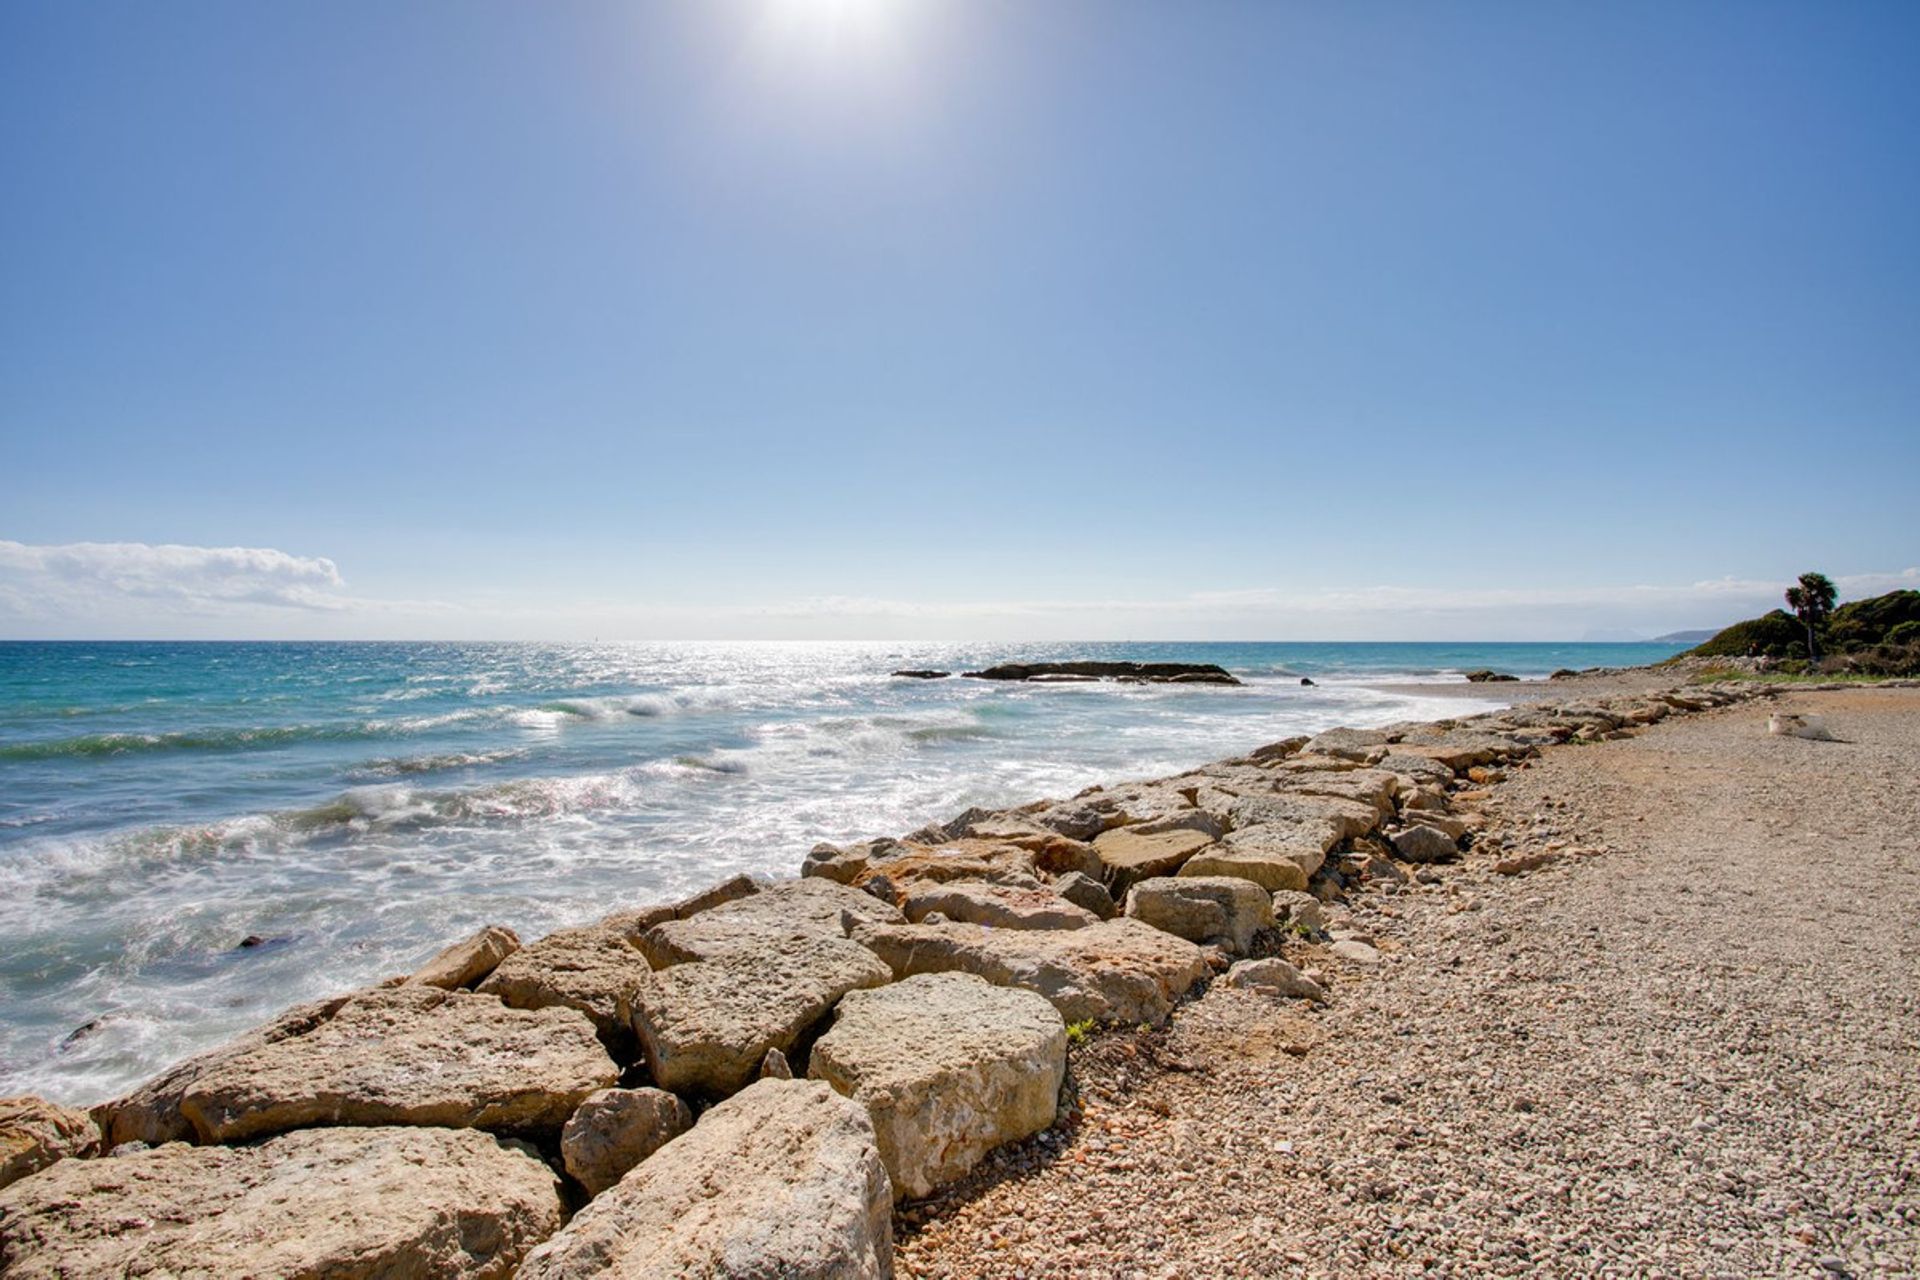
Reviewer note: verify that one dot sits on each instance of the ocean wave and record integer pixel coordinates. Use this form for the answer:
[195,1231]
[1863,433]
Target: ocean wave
[402,766]
[113,744]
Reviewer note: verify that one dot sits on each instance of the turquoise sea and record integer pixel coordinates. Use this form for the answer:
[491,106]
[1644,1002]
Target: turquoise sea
[358,805]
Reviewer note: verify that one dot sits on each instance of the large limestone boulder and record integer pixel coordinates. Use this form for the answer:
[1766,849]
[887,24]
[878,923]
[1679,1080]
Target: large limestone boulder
[615,1129]
[1053,854]
[1321,817]
[469,960]
[595,969]
[407,1055]
[1114,971]
[151,1113]
[813,903]
[782,1181]
[1222,910]
[914,867]
[1087,893]
[998,905]
[949,1067]
[706,1025]
[34,1133]
[1271,856]
[313,1205]
[1128,856]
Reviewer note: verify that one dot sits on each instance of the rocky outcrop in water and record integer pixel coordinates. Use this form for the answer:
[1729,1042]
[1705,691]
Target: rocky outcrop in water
[1133,672]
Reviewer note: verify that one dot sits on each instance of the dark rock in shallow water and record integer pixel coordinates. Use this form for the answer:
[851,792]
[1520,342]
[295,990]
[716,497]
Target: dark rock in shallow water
[1306,681]
[924,675]
[1564,673]
[1488,677]
[250,941]
[1148,672]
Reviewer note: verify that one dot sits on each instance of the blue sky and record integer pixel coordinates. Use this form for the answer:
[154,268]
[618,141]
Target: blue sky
[952,318]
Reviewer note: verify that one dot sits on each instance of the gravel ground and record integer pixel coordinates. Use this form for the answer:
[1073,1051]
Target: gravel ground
[1689,1047]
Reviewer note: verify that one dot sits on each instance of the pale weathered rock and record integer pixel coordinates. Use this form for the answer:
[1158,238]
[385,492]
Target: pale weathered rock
[615,1129]
[1270,855]
[917,867]
[383,1202]
[1114,971]
[711,936]
[730,890]
[1346,744]
[775,1066]
[1052,853]
[1086,892]
[1424,843]
[1299,908]
[1356,951]
[949,1067]
[707,1025]
[816,903]
[151,1113]
[1223,910]
[783,1181]
[998,905]
[1275,977]
[34,1133]
[468,960]
[1127,856]
[407,1055]
[595,969]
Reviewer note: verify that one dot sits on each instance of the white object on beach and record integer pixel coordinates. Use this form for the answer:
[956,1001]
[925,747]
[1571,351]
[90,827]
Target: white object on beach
[1787,725]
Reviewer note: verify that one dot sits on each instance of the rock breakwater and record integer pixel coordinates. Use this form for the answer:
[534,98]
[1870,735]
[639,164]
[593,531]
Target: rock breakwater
[744,1082]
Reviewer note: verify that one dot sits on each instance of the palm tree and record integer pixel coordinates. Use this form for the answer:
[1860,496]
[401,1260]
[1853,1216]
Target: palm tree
[1812,602]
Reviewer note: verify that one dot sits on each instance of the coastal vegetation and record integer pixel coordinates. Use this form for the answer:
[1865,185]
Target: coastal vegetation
[1879,636]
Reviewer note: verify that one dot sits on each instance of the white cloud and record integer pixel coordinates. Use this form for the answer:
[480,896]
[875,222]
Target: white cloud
[88,579]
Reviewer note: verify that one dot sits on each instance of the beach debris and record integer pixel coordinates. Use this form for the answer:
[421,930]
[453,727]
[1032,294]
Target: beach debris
[1786,724]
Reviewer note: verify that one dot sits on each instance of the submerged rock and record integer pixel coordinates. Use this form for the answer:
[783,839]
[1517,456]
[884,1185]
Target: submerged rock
[1148,672]
[783,1181]
[320,1203]
[949,1067]
[923,674]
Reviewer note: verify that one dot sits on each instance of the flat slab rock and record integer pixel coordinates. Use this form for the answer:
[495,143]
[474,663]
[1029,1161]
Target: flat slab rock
[783,1181]
[998,905]
[948,1067]
[1114,971]
[707,1025]
[407,1055]
[811,903]
[1128,856]
[332,1203]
